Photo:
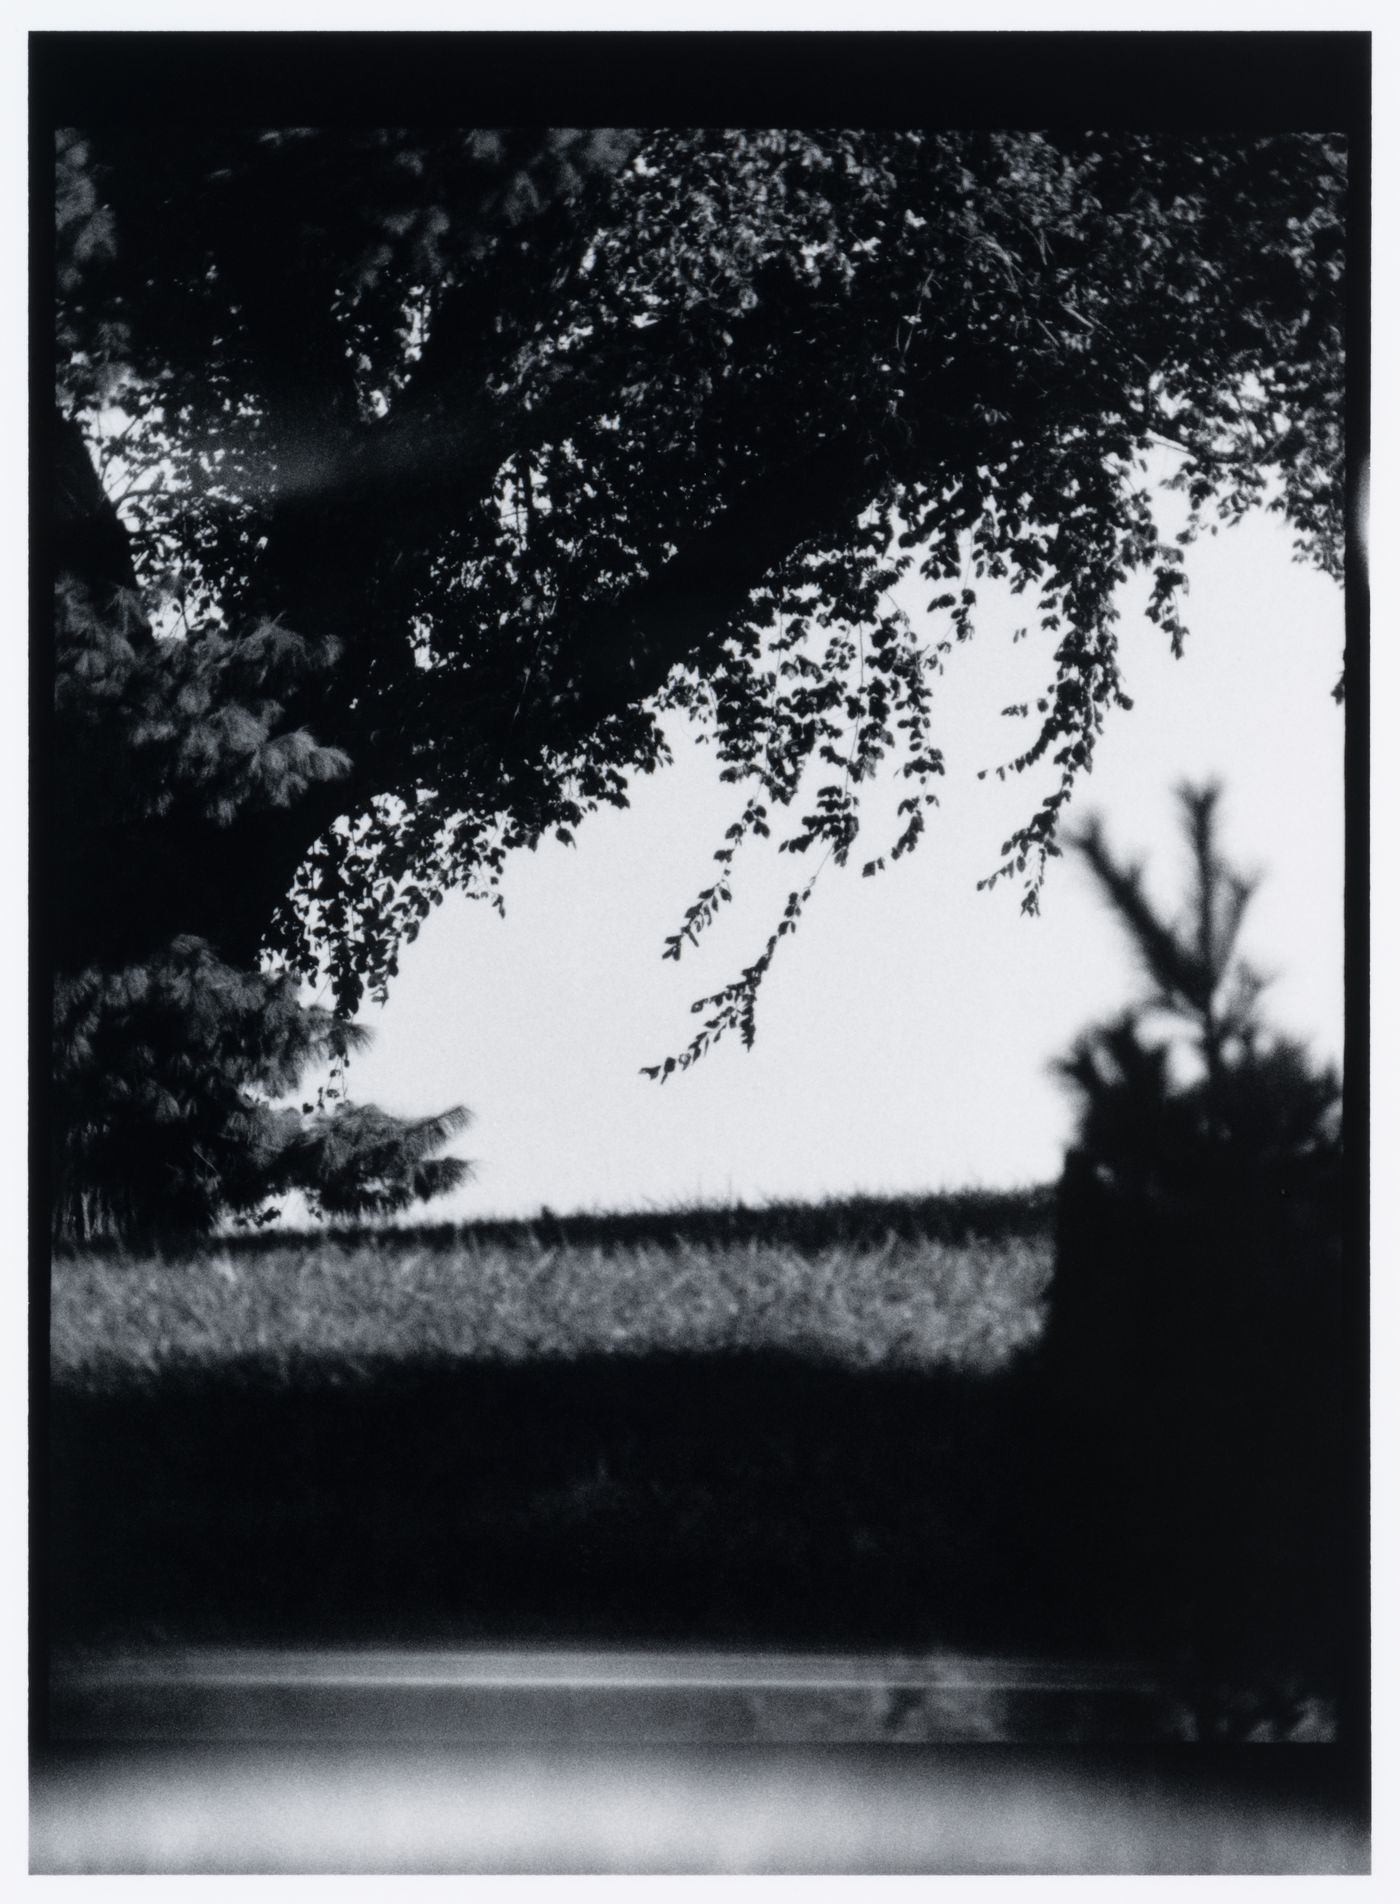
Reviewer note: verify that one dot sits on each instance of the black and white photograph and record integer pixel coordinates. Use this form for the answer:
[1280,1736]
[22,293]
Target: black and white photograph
[699,1055]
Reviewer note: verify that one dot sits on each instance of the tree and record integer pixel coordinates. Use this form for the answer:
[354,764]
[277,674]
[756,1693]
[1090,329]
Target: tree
[166,1071]
[1254,1115]
[1199,1208]
[165,1075]
[1198,1307]
[496,447]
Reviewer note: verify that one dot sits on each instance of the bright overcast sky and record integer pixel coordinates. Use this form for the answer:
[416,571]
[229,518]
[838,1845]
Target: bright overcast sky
[904,1033]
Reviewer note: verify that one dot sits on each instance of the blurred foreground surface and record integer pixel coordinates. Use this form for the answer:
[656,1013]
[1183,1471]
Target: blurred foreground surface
[555,1696]
[296,1809]
[560,1760]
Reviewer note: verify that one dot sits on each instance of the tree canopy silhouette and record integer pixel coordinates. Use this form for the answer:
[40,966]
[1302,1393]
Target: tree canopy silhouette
[408,480]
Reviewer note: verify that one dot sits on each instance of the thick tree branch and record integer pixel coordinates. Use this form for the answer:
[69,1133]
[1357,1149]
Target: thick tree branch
[90,543]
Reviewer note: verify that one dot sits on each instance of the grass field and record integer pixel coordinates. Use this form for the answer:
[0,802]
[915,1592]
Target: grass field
[822,1426]
[729,1424]
[911,1304]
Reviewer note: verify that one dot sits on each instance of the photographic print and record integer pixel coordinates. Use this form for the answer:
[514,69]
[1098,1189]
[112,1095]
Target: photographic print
[700,1070]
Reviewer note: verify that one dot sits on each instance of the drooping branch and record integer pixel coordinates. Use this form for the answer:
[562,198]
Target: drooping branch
[709,375]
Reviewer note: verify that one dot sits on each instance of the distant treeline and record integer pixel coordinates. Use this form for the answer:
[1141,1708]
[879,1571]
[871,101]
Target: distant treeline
[949,1216]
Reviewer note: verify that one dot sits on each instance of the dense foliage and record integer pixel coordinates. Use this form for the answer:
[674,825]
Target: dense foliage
[448,463]
[167,1070]
[164,1078]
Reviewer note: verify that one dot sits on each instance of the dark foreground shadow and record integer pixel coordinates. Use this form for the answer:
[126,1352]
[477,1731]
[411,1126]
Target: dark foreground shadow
[745,1499]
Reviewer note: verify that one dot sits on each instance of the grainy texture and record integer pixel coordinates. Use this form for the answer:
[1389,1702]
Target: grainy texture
[901,1304]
